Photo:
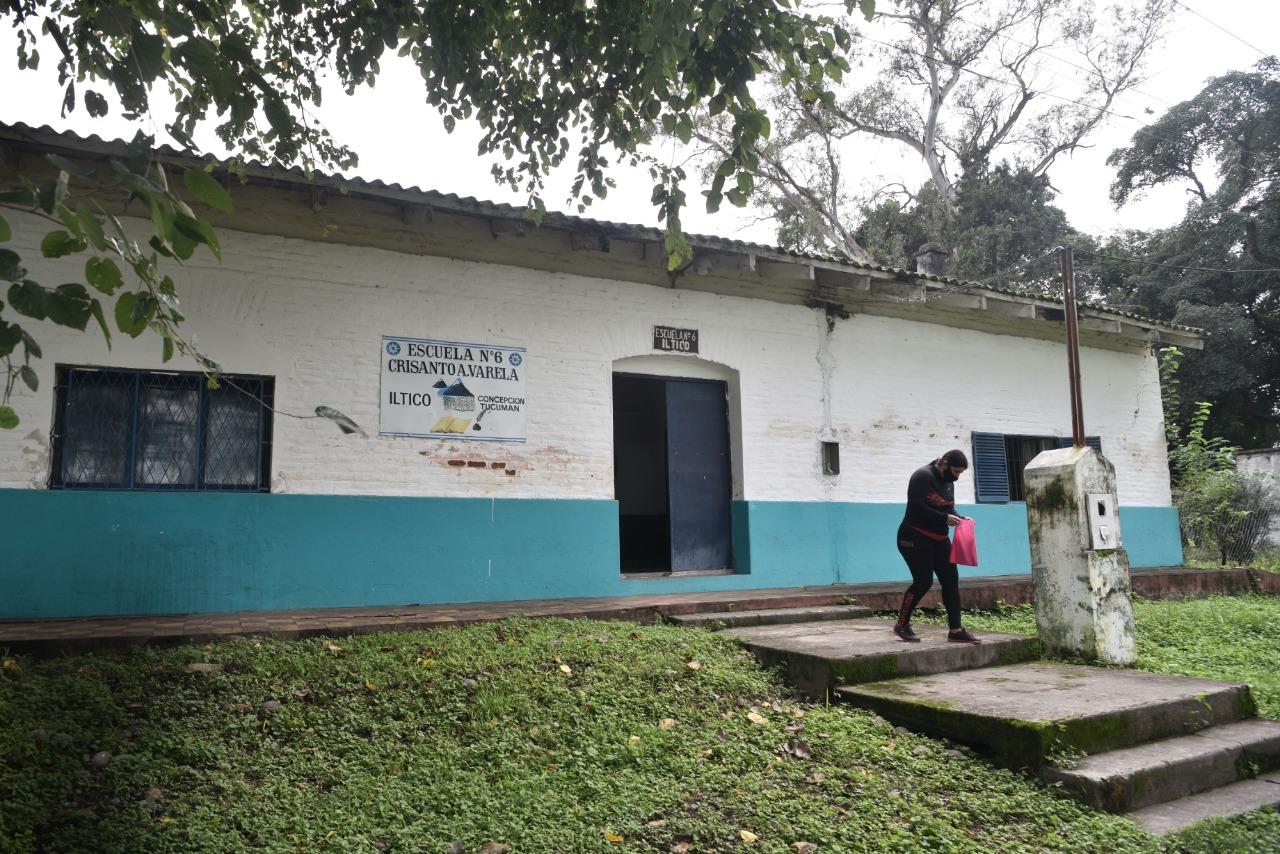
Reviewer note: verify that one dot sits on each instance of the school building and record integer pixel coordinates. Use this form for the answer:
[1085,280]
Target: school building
[546,412]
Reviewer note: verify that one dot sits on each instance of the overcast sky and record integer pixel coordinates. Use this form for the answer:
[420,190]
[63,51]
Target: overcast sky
[400,139]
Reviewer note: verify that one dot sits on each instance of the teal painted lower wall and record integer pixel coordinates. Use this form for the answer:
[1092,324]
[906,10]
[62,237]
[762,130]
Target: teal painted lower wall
[114,553]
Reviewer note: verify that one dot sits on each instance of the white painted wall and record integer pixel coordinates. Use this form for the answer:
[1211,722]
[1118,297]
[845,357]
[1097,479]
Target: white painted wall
[312,315]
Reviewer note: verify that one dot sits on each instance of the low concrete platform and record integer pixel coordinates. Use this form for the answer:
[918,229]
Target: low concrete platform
[817,657]
[1166,770]
[1025,714]
[1235,799]
[770,616]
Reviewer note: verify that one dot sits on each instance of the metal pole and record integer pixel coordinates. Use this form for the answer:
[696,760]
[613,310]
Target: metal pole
[1073,347]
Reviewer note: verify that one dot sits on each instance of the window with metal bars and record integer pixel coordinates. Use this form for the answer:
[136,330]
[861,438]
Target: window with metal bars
[119,429]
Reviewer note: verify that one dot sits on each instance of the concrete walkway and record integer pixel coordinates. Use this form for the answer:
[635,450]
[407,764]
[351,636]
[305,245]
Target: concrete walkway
[54,636]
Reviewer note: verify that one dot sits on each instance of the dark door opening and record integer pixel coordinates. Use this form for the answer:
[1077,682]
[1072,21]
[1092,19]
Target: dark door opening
[673,474]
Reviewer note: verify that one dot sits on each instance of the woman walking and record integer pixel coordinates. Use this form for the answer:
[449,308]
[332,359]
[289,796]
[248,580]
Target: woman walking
[925,546]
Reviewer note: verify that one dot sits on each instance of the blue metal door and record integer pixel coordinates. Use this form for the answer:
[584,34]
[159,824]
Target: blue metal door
[699,475]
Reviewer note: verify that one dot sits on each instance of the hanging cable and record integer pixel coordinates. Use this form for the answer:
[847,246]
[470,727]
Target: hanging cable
[1179,266]
[1223,29]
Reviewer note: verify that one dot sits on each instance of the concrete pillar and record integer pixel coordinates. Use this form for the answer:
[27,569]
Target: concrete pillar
[1078,564]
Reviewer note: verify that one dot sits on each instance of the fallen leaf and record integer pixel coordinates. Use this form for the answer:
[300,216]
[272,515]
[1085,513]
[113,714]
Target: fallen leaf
[333,647]
[456,848]
[368,686]
[426,662]
[610,836]
[533,730]
[242,707]
[891,745]
[680,847]
[757,718]
[657,822]
[804,847]
[747,836]
[494,848]
[776,707]
[797,748]
[11,665]
[566,669]
[511,641]
[799,713]
[815,777]
[694,665]
[633,740]
[793,727]
[164,819]
[302,693]
[666,723]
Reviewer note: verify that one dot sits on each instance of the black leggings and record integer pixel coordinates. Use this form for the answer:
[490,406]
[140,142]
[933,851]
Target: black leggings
[925,558]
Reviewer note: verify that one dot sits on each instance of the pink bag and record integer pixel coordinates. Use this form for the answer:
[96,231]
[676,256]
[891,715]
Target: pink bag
[964,546]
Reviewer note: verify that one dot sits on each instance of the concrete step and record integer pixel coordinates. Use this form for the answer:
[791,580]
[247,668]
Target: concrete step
[771,616]
[816,657]
[1223,802]
[1160,771]
[1024,714]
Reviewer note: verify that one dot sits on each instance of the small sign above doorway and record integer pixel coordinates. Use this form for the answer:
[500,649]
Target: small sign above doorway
[672,340]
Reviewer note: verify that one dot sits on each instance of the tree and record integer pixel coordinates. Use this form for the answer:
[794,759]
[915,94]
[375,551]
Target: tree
[963,85]
[1003,217]
[541,78]
[1219,268]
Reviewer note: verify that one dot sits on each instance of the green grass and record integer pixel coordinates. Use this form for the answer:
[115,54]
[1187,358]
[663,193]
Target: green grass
[1233,638]
[414,741]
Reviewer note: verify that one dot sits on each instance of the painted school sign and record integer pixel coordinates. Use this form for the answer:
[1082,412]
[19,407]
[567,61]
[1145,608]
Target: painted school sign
[452,390]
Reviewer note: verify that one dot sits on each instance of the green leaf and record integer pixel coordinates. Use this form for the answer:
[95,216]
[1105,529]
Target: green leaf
[66,165]
[8,418]
[69,305]
[57,244]
[11,334]
[868,8]
[167,350]
[29,298]
[103,274]
[5,232]
[33,349]
[95,308]
[29,377]
[91,227]
[95,104]
[205,187]
[20,196]
[134,311]
[11,269]
[68,218]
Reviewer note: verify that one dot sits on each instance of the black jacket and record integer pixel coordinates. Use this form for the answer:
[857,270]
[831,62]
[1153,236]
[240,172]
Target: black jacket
[930,500]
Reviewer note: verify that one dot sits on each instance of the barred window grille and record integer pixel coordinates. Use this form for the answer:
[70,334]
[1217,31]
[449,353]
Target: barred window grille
[116,429]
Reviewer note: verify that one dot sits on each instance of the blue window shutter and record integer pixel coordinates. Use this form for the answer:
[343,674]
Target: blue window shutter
[1094,442]
[990,468]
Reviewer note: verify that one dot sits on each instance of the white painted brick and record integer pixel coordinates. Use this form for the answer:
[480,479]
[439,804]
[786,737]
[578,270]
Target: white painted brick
[312,315]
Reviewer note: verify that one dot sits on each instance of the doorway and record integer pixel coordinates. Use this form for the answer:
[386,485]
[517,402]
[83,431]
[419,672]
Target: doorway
[673,474]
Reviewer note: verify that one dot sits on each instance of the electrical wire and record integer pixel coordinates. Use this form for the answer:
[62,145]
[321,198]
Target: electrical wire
[1177,266]
[1224,29]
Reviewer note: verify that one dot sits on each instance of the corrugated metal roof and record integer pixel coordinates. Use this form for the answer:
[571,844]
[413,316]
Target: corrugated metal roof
[502,210]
